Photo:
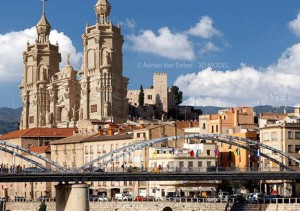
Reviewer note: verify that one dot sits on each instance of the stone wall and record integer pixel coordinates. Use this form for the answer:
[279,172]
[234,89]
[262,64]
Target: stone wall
[155,206]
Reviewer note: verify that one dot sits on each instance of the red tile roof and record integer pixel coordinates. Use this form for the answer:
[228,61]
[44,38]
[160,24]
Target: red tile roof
[41,149]
[40,132]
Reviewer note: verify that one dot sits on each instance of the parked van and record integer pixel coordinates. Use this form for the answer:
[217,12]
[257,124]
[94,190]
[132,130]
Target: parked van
[123,197]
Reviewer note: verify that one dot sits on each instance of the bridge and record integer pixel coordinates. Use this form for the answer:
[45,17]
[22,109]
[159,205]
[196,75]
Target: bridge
[72,183]
[77,177]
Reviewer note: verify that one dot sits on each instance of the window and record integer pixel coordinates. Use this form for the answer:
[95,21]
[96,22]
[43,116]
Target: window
[274,136]
[297,148]
[91,149]
[212,129]
[199,163]
[86,150]
[191,164]
[208,163]
[31,119]
[203,126]
[217,128]
[266,136]
[290,148]
[93,108]
[103,149]
[290,162]
[181,164]
[207,152]
[149,97]
[290,134]
[98,149]
[297,135]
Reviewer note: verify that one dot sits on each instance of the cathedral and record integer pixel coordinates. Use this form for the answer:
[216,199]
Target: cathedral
[61,98]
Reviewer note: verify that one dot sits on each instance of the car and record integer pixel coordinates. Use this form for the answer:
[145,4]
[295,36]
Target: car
[97,198]
[33,170]
[253,197]
[102,198]
[150,198]
[123,197]
[173,196]
[140,198]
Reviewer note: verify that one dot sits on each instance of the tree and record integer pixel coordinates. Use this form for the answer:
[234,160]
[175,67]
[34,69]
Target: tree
[177,95]
[43,206]
[141,96]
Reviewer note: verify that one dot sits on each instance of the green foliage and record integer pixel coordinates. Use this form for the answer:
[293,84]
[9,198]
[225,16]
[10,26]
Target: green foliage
[43,206]
[177,94]
[141,96]
[6,127]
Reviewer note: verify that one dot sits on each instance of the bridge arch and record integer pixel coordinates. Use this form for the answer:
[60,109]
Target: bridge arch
[230,140]
[167,209]
[5,144]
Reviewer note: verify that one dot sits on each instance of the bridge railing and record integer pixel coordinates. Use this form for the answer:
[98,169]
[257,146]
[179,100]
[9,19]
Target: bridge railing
[178,169]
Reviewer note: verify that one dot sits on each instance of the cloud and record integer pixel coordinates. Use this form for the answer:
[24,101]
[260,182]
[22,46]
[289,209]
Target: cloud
[204,28]
[13,44]
[130,23]
[165,43]
[294,25]
[245,86]
[209,47]
[171,45]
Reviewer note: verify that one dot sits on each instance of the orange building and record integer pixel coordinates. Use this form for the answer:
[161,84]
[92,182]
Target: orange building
[227,121]
[237,122]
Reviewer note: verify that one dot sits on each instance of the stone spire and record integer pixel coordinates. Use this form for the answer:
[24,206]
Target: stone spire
[43,27]
[102,9]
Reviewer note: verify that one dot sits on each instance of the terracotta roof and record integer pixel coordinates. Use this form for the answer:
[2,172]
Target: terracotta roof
[41,149]
[91,138]
[39,132]
[71,139]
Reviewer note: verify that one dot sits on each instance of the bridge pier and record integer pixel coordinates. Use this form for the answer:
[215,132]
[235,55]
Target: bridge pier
[72,197]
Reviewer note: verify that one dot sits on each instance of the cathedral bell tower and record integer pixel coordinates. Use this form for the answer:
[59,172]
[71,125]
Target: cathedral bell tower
[41,62]
[103,87]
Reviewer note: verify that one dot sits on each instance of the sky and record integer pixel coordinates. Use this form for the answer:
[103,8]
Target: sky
[219,53]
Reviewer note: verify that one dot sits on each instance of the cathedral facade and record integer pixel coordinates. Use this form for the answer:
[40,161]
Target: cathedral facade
[56,98]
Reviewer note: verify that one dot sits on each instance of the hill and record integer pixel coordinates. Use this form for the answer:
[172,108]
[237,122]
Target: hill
[9,119]
[257,109]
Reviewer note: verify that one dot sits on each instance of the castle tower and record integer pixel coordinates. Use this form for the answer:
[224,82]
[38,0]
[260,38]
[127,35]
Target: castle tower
[160,81]
[103,87]
[41,62]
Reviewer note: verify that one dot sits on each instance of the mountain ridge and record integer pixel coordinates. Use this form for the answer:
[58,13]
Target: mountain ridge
[9,117]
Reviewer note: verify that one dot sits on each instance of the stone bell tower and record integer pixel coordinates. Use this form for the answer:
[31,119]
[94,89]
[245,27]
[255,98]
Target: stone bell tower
[103,87]
[41,62]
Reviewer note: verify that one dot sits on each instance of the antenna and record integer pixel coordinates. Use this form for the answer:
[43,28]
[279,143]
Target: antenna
[274,103]
[268,94]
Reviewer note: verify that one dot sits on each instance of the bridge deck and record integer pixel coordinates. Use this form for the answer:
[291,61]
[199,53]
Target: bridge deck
[145,176]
